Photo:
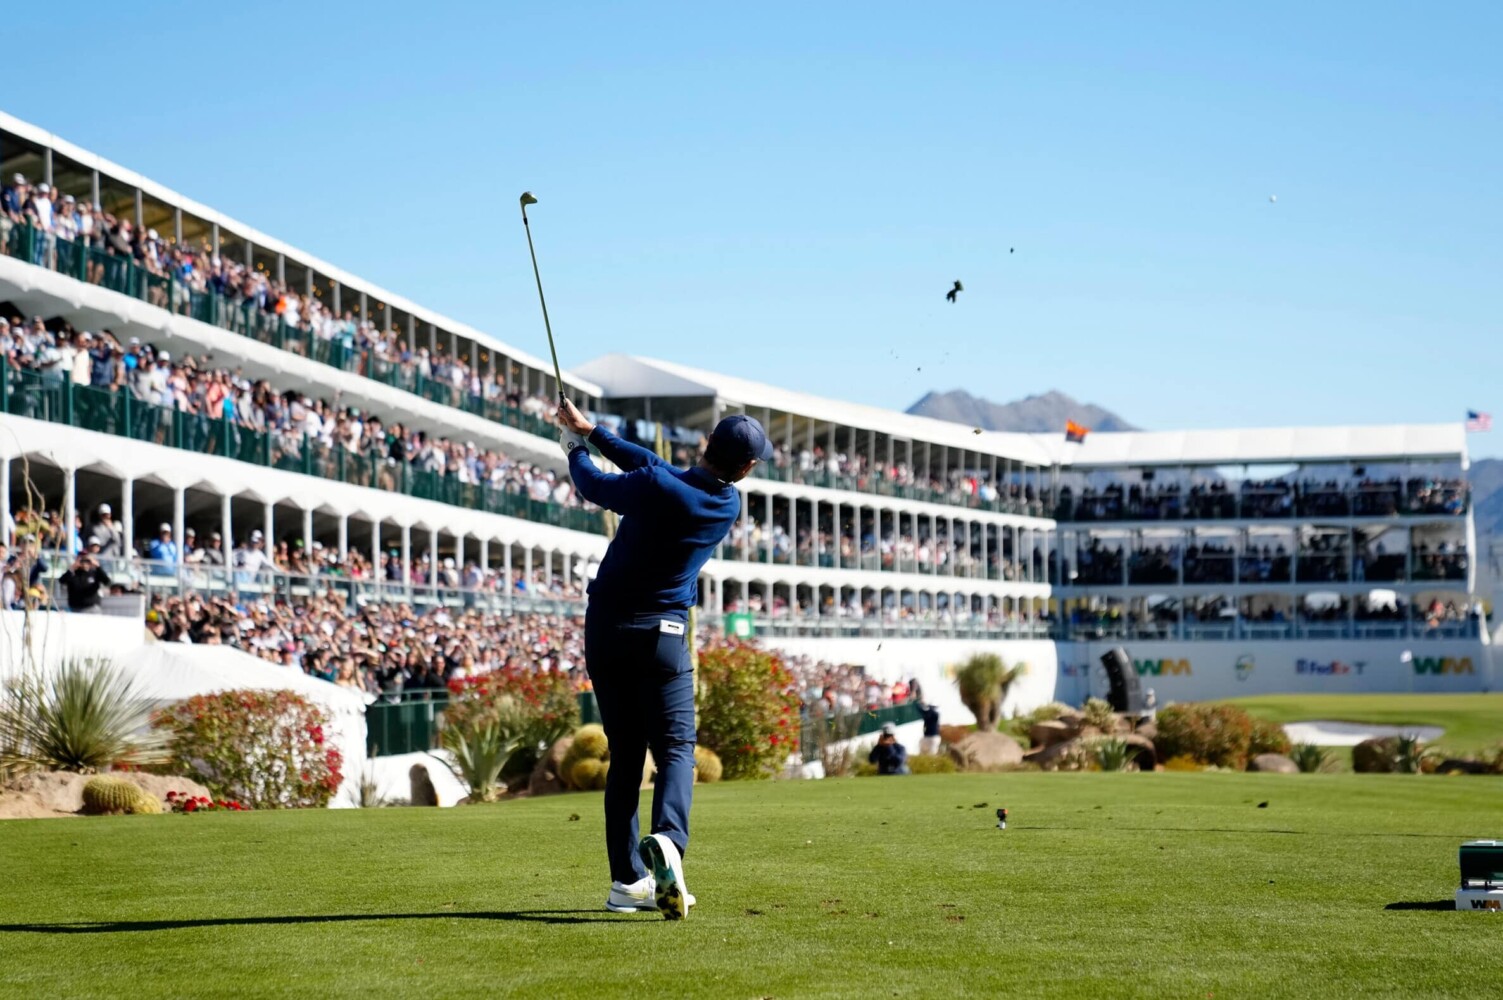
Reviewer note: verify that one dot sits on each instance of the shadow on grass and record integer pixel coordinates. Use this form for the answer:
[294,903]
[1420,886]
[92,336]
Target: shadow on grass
[1439,904]
[126,926]
[1344,834]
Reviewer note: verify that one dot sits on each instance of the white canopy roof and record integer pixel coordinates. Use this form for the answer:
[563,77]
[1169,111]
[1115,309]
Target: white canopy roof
[89,160]
[626,375]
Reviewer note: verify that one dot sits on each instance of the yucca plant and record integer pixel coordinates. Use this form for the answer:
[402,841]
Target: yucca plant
[1309,758]
[1112,754]
[365,793]
[984,681]
[85,717]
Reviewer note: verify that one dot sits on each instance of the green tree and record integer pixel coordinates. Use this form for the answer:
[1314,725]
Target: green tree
[984,681]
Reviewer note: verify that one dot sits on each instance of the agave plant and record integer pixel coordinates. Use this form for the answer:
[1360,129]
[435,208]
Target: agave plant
[1310,758]
[1411,754]
[1112,754]
[482,746]
[85,717]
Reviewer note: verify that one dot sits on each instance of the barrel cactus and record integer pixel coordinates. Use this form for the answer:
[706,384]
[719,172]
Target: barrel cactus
[706,764]
[585,764]
[105,794]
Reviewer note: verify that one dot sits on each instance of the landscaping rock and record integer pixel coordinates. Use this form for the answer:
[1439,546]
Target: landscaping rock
[1048,733]
[1048,758]
[60,793]
[1148,730]
[987,752]
[423,792]
[546,777]
[1376,756]
[1272,763]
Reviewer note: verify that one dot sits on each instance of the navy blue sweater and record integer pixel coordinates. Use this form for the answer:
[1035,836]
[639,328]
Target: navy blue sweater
[671,521]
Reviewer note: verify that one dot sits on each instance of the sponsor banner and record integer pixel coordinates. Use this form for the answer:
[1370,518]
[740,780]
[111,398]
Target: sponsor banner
[1190,671]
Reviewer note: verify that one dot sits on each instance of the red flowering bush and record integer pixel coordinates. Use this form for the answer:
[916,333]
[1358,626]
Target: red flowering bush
[748,709]
[543,704]
[181,802]
[265,749]
[1207,733]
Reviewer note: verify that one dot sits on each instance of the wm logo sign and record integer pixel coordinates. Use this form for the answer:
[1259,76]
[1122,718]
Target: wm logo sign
[1160,668]
[1443,665]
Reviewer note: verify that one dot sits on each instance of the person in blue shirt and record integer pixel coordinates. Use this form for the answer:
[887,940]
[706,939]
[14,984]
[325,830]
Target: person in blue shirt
[890,756]
[636,635]
[162,547]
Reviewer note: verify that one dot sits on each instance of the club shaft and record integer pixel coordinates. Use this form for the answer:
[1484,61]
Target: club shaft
[538,277]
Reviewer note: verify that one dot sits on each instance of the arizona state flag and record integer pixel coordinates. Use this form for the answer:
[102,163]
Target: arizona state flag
[1075,432]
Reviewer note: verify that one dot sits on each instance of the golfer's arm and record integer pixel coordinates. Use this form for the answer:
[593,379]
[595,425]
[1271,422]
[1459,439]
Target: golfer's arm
[620,493]
[626,456]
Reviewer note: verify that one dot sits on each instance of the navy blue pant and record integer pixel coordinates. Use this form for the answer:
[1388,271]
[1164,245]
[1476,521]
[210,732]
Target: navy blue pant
[645,688]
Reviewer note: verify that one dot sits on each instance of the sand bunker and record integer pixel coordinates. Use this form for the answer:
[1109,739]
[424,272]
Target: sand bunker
[1349,734]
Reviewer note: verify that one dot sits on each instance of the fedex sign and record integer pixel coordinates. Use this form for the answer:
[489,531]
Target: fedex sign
[1328,668]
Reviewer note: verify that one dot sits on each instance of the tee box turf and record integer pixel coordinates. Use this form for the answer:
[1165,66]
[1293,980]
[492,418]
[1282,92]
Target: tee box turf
[1481,876]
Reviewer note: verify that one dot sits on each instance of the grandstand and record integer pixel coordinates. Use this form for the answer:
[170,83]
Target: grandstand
[265,427]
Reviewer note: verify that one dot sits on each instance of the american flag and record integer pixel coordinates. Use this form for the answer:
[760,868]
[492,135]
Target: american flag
[1476,422]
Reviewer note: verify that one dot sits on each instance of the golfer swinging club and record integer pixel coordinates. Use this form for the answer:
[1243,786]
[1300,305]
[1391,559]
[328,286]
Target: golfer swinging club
[636,635]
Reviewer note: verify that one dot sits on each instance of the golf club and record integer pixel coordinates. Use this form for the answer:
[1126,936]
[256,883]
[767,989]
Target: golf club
[528,199]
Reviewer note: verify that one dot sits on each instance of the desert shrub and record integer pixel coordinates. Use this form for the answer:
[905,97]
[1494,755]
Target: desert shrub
[590,741]
[866,769]
[481,746]
[833,739]
[748,709]
[85,717]
[1310,758]
[1377,756]
[541,707]
[266,749]
[1098,713]
[932,763]
[1183,763]
[951,735]
[1019,725]
[1112,754]
[1214,734]
[106,794]
[1268,737]
[984,681]
[706,765]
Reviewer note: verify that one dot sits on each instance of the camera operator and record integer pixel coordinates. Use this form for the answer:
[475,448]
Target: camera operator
[84,580]
[890,756]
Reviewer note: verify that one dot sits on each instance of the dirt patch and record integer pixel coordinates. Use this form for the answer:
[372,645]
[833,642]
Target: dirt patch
[49,794]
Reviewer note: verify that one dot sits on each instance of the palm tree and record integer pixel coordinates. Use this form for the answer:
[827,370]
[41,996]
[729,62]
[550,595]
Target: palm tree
[984,681]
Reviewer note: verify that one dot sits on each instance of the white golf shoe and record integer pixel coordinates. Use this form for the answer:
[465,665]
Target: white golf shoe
[639,896]
[660,855]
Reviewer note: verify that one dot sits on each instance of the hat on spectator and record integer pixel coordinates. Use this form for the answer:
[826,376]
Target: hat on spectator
[44,187]
[18,179]
[104,508]
[164,357]
[165,527]
[889,729]
[256,535]
[68,199]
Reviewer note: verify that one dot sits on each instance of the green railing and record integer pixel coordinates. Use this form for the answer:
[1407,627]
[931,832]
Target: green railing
[122,274]
[841,727]
[55,399]
[414,724]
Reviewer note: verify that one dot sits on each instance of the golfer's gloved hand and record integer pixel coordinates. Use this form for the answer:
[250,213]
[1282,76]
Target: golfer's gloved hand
[568,441]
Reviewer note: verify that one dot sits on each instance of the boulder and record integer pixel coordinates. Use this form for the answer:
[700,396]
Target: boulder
[1147,730]
[987,752]
[1048,733]
[1273,763]
[1376,756]
[1049,756]
[546,777]
[54,793]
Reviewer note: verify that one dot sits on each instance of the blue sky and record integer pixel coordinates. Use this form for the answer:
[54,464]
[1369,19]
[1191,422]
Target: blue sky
[786,191]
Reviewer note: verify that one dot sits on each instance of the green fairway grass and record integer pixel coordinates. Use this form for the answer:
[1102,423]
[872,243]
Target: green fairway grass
[1105,885]
[1471,721]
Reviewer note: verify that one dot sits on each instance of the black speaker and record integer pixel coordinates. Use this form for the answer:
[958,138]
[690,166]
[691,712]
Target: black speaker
[1124,693]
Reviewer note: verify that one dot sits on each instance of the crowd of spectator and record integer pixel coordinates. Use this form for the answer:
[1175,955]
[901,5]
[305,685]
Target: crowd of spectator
[1272,498]
[221,409]
[819,466]
[905,552]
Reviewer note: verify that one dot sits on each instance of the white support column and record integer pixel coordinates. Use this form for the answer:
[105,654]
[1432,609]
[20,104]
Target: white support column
[378,569]
[835,529]
[459,551]
[179,533]
[510,585]
[226,531]
[70,507]
[5,517]
[269,526]
[344,537]
[432,555]
[308,534]
[406,554]
[768,525]
[128,516]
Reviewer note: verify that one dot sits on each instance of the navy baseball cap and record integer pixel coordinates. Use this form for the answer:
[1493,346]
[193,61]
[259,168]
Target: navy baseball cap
[737,440]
